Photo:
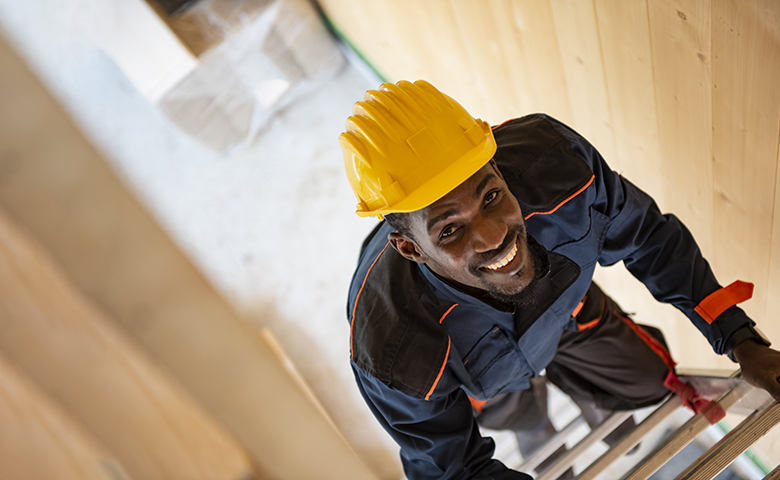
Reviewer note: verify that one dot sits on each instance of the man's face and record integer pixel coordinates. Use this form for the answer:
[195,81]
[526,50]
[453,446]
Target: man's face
[474,237]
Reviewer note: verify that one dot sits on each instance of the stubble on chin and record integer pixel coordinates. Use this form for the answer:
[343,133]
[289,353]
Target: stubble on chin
[529,295]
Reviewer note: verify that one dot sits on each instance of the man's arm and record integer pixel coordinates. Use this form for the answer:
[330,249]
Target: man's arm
[439,437]
[662,253]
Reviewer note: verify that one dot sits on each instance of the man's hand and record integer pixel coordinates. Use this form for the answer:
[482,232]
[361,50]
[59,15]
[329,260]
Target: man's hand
[760,366]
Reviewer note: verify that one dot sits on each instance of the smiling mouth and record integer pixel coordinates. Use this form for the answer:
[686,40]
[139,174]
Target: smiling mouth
[505,260]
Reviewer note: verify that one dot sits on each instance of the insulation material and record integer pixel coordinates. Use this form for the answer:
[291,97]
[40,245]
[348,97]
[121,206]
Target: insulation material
[257,57]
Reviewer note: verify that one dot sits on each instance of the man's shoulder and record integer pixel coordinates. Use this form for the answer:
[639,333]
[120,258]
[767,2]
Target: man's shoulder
[539,159]
[394,331]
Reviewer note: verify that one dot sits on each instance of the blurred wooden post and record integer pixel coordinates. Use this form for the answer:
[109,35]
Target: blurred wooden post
[83,361]
[54,183]
[39,441]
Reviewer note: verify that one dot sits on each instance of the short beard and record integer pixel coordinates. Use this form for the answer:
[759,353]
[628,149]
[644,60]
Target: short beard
[528,297]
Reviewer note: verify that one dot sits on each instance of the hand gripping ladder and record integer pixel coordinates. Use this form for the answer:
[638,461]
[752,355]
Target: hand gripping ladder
[730,391]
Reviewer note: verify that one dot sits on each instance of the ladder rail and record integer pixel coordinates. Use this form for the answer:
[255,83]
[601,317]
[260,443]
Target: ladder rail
[684,435]
[720,456]
[632,439]
[597,434]
[553,444]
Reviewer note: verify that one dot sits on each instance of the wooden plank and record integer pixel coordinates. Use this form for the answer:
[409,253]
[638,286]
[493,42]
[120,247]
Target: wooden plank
[486,63]
[745,122]
[680,35]
[40,441]
[59,188]
[443,50]
[532,55]
[680,42]
[625,43]
[107,384]
[578,36]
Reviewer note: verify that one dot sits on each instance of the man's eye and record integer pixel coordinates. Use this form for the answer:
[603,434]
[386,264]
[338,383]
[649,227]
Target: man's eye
[447,232]
[491,196]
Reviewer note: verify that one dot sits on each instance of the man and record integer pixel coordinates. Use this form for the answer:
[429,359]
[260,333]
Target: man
[480,279]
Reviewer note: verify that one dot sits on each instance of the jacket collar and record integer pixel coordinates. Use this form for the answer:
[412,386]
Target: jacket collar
[559,273]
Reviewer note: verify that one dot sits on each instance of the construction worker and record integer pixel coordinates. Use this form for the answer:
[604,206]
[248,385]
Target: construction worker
[480,279]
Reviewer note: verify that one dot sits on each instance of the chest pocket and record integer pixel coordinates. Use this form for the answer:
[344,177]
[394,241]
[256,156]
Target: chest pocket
[495,362]
[586,250]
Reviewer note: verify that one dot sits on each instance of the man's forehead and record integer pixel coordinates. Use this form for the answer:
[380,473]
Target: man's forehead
[451,203]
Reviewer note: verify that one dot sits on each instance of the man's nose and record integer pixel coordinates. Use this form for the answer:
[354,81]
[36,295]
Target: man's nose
[489,234]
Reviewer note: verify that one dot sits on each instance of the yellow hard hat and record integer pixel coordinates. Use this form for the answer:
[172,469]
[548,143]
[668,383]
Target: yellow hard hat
[407,145]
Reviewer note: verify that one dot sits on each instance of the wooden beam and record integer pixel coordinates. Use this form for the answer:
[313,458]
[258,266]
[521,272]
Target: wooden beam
[40,441]
[111,387]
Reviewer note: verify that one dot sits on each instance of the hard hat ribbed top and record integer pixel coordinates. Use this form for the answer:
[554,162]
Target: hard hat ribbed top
[406,145]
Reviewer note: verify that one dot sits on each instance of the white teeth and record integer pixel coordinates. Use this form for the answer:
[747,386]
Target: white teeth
[508,258]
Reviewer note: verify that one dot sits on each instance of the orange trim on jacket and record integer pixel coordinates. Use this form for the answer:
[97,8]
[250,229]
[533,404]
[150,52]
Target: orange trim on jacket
[477,405]
[446,357]
[563,202]
[720,300]
[438,377]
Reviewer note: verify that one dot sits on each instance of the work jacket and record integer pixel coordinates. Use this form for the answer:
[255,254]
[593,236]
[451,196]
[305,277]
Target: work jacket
[420,348]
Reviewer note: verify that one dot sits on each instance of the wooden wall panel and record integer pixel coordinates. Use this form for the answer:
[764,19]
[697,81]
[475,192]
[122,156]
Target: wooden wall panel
[533,53]
[475,24]
[578,35]
[745,122]
[624,30]
[680,36]
[680,39]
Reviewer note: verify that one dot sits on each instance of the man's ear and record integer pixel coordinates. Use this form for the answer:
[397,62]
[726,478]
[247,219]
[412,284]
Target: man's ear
[407,247]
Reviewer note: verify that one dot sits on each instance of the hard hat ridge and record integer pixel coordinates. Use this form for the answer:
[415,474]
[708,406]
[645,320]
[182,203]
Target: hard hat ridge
[407,145]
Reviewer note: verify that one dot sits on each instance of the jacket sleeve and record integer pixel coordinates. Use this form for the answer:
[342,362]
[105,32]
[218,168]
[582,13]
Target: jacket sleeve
[657,249]
[439,438]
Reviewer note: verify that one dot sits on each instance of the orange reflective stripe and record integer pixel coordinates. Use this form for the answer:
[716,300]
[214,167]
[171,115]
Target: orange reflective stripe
[441,370]
[563,202]
[354,307]
[720,300]
[505,121]
[651,342]
[447,313]
[478,405]
[585,326]
[438,377]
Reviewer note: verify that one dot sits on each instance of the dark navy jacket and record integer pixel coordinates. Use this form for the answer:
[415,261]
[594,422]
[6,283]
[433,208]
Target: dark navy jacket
[419,347]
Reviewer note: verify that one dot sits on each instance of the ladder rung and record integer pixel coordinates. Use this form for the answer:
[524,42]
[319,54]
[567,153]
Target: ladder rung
[598,433]
[632,439]
[732,445]
[553,444]
[683,436]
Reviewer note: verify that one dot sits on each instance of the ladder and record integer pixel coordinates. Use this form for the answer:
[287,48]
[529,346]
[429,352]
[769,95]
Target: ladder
[729,390]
